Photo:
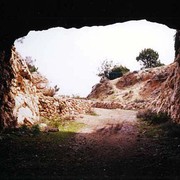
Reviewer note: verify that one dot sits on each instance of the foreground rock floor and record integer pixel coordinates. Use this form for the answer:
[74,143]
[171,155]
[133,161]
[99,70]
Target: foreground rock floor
[113,144]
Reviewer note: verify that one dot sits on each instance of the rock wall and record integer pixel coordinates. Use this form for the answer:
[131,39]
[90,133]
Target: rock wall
[19,99]
[135,105]
[169,98]
[23,91]
[52,107]
[7,103]
[155,88]
[134,90]
[24,97]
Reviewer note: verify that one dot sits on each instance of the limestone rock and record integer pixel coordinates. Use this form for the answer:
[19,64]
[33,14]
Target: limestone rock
[21,101]
[156,88]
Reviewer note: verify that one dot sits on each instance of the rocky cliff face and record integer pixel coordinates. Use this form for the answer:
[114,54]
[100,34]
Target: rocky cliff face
[169,98]
[26,96]
[53,106]
[154,88]
[19,98]
[6,100]
[23,92]
[134,90]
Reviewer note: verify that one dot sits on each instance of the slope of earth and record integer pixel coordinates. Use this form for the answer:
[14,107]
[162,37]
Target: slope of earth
[134,90]
[113,144]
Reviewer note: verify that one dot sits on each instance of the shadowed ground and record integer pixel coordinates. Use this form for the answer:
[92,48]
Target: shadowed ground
[112,144]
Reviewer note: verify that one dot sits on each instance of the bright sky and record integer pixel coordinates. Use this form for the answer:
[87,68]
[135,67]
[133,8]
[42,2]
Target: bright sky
[70,58]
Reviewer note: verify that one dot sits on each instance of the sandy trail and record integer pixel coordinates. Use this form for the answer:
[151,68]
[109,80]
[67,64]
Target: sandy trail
[105,118]
[109,133]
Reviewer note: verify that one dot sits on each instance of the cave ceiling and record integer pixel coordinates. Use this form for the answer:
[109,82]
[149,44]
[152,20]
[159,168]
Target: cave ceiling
[19,17]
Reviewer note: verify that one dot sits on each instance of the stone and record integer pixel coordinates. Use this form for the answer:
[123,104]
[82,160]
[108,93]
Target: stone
[24,114]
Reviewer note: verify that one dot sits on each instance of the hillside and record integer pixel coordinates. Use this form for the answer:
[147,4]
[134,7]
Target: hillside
[134,90]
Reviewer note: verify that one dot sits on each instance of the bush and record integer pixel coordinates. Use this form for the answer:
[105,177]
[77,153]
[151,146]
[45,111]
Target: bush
[153,117]
[111,71]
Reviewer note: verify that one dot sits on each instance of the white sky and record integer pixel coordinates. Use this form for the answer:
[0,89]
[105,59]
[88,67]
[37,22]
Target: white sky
[70,57]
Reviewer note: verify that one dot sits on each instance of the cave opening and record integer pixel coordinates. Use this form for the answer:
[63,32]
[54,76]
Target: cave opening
[67,54]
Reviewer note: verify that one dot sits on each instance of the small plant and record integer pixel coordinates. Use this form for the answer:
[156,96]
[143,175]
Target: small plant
[30,63]
[153,117]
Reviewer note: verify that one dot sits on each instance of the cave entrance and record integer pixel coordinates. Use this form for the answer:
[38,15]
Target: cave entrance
[70,58]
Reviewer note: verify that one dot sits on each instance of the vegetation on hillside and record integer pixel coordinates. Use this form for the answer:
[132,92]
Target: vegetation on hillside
[149,58]
[49,91]
[30,63]
[111,71]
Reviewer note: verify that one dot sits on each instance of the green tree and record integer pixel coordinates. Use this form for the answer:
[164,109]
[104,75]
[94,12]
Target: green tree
[149,58]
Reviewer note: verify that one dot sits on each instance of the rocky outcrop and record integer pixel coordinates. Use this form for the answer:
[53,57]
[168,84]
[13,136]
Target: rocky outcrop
[42,85]
[169,99]
[155,88]
[19,98]
[134,90]
[23,91]
[52,106]
[6,100]
[25,96]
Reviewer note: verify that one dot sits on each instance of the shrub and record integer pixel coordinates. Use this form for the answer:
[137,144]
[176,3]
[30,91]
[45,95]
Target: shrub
[30,63]
[111,71]
[153,117]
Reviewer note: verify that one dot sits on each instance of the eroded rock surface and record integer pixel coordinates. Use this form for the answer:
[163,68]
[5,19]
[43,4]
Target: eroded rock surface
[154,88]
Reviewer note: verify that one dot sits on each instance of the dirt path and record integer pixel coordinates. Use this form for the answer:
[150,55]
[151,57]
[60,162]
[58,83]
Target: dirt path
[112,145]
[106,118]
[109,129]
[109,145]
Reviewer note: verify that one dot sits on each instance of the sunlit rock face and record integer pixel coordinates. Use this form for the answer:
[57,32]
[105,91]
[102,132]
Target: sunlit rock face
[155,88]
[134,90]
[23,92]
[169,98]
[20,103]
